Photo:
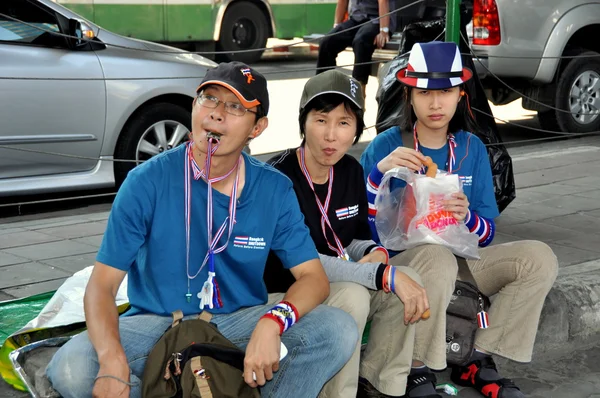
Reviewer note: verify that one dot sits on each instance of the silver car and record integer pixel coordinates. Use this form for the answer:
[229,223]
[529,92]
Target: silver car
[109,98]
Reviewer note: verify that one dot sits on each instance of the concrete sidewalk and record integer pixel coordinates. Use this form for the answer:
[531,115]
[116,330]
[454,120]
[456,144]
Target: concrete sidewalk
[558,202]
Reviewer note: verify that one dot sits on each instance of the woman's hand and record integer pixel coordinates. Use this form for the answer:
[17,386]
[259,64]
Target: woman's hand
[412,295]
[458,205]
[402,156]
[376,256]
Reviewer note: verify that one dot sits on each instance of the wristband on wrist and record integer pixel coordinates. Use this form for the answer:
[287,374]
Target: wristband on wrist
[384,251]
[285,314]
[393,281]
[384,284]
[468,216]
[268,315]
[387,275]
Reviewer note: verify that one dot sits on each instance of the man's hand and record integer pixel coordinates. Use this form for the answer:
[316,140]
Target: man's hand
[402,156]
[108,387]
[262,353]
[412,295]
[381,39]
[376,256]
[458,206]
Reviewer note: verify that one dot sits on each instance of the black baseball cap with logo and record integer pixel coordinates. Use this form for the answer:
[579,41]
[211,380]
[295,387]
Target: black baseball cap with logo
[249,85]
[333,82]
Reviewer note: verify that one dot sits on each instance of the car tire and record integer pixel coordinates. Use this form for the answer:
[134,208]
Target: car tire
[245,26]
[572,93]
[143,126]
[548,120]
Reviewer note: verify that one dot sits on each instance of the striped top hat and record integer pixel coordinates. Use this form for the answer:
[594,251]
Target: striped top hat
[434,66]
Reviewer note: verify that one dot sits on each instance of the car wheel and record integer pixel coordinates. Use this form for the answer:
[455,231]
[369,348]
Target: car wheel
[155,129]
[244,27]
[548,120]
[578,90]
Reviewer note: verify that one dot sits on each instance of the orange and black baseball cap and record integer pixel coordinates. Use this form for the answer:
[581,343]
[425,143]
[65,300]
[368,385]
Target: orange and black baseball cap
[249,85]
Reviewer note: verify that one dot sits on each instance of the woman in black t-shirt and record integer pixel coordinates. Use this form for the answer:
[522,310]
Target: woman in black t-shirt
[332,195]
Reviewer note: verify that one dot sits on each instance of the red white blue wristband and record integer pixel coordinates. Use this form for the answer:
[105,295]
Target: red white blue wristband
[393,280]
[385,283]
[284,313]
[384,251]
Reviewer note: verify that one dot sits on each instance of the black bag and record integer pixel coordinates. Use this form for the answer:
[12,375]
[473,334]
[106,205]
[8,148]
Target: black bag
[461,317]
[192,360]
[390,98]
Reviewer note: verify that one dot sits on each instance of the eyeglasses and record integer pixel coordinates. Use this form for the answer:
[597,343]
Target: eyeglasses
[233,108]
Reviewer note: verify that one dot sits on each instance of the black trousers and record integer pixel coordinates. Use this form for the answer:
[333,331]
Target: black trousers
[361,40]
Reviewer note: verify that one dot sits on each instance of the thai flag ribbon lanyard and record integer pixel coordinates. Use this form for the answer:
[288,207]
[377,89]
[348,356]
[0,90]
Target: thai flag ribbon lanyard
[323,208]
[209,295]
[451,162]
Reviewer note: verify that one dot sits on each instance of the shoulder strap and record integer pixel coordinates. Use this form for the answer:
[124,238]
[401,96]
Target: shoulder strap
[205,316]
[200,376]
[177,317]
[464,273]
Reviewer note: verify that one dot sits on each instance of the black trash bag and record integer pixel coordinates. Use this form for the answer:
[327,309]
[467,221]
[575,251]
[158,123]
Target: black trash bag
[389,94]
[500,160]
[390,97]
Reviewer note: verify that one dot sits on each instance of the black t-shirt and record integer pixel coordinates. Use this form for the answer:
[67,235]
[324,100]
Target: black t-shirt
[348,211]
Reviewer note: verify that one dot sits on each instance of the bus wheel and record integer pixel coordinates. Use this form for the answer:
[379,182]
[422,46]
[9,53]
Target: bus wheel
[244,27]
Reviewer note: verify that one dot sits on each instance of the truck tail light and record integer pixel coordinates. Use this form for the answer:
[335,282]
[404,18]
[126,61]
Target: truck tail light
[486,23]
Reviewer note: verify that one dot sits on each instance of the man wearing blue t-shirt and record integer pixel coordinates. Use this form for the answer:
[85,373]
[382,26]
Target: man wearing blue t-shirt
[192,228]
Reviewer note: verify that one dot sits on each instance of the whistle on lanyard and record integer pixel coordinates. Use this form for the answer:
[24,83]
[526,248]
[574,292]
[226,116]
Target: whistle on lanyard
[206,294]
[215,137]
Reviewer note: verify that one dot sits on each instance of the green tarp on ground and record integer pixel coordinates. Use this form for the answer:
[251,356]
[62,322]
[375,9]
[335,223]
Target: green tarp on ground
[14,314]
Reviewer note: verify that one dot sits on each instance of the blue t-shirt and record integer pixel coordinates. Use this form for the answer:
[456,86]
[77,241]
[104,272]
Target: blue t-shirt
[145,236]
[472,165]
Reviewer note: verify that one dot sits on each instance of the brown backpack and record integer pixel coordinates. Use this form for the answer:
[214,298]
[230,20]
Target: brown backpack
[192,360]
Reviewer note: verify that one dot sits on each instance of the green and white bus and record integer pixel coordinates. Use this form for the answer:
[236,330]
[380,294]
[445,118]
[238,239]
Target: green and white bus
[201,25]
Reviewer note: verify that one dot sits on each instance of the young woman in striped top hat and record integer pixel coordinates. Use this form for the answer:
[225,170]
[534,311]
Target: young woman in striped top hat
[438,120]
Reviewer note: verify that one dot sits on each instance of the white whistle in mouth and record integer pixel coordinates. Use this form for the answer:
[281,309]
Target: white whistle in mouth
[214,136]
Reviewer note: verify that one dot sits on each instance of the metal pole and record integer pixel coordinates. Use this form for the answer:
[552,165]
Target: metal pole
[453,21]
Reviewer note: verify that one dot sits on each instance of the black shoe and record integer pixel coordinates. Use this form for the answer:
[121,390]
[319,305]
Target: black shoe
[469,376]
[420,379]
[366,390]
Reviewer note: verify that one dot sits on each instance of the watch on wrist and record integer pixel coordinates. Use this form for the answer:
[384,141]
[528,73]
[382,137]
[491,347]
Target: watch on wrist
[384,30]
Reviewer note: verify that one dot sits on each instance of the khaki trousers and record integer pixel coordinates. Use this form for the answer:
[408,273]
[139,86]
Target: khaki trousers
[388,356]
[520,274]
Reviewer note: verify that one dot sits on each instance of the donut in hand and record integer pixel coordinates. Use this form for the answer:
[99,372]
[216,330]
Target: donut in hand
[431,167]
